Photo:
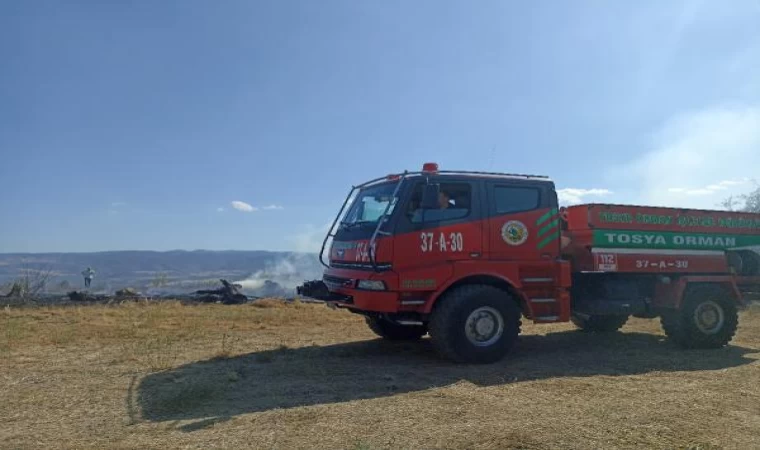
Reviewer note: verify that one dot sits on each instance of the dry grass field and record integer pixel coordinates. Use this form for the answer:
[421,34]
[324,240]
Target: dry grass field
[287,376]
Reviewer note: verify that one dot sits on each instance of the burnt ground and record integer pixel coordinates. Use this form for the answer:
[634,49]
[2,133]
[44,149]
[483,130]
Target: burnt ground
[290,375]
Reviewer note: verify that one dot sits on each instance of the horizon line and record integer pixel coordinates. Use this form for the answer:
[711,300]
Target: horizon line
[150,251]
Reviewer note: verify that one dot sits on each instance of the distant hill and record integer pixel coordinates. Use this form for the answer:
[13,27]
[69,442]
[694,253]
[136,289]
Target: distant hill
[167,272]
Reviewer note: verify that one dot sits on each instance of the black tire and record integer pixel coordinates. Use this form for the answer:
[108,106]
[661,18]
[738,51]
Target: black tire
[686,326]
[495,308]
[599,323]
[393,331]
[647,315]
[750,263]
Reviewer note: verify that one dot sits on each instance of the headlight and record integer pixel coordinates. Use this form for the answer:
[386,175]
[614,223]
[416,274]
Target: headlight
[371,285]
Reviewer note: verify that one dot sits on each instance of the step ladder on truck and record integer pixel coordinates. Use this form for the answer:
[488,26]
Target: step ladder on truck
[463,256]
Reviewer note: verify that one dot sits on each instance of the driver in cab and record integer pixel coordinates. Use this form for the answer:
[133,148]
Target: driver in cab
[443,200]
[417,213]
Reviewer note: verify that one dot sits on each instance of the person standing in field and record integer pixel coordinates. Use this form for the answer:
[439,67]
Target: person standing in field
[88,273]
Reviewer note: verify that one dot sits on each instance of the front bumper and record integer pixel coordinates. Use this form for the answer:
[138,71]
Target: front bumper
[338,288]
[317,290]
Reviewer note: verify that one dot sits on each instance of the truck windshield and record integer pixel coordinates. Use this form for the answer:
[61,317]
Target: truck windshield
[369,204]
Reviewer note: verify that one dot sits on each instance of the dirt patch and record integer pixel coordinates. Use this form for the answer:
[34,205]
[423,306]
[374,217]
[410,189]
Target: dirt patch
[277,375]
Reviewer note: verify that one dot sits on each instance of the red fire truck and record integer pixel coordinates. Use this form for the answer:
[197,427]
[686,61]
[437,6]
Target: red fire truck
[463,256]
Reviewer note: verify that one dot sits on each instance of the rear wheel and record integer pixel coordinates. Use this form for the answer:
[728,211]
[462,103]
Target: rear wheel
[475,324]
[750,263]
[599,323]
[393,331]
[707,318]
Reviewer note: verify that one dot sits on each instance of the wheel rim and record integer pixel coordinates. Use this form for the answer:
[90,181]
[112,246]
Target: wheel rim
[484,326]
[709,317]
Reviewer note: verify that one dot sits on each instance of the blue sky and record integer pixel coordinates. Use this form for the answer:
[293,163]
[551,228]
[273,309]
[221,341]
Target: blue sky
[135,125]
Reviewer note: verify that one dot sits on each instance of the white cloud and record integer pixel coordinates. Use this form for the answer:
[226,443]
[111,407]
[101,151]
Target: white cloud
[247,207]
[698,159]
[711,188]
[220,209]
[573,196]
[243,206]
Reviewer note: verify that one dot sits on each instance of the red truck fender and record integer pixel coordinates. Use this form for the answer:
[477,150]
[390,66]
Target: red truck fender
[489,278]
[669,292]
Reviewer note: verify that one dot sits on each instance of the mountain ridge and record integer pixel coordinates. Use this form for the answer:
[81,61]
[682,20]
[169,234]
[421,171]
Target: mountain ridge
[169,271]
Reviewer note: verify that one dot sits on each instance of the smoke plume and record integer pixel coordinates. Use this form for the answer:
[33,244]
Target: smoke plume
[283,275]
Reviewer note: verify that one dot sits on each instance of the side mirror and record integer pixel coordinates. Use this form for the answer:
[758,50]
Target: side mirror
[430,196]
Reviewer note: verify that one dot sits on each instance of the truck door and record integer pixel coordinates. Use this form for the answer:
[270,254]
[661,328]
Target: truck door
[523,221]
[430,239]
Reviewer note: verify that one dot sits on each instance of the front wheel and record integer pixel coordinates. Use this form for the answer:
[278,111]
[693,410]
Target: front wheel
[393,331]
[475,324]
[707,318]
[599,323]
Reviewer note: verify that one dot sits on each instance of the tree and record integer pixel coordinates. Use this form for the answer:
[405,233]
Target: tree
[752,201]
[747,202]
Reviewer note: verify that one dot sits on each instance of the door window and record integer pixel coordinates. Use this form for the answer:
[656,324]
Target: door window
[454,202]
[509,200]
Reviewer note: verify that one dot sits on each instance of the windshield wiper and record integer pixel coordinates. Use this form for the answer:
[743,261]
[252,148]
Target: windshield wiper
[350,225]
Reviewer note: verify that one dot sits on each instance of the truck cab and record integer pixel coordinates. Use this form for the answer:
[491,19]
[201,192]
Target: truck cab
[403,243]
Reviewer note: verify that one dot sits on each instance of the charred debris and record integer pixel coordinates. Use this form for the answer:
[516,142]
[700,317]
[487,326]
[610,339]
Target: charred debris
[227,294]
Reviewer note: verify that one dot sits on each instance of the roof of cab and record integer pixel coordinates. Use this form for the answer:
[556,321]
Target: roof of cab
[460,174]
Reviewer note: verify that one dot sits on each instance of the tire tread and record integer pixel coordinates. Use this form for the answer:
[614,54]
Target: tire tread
[393,332]
[447,310]
[678,327]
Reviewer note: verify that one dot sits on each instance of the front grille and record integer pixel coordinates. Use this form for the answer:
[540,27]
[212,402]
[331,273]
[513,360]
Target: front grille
[333,282]
[360,266]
